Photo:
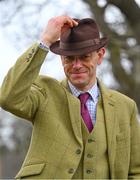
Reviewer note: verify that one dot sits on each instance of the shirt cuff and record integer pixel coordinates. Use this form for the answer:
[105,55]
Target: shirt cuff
[44,46]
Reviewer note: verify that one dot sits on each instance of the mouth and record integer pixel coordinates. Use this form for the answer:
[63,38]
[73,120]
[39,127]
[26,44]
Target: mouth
[78,74]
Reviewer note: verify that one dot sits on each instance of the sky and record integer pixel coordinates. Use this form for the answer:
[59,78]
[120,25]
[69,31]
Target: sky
[8,55]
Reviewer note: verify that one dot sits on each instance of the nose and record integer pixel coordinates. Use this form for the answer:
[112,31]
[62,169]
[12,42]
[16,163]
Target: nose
[77,63]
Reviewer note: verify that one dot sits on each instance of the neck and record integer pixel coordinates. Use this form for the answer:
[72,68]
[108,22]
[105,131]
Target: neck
[85,88]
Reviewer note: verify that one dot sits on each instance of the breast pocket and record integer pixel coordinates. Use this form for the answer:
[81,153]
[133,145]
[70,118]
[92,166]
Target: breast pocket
[30,171]
[121,136]
[122,140]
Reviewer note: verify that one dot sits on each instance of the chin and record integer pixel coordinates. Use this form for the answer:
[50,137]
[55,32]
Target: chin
[79,83]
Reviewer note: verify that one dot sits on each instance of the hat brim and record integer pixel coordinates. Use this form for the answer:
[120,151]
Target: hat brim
[55,48]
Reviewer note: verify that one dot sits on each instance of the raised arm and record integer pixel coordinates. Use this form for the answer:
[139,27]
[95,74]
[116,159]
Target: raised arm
[18,93]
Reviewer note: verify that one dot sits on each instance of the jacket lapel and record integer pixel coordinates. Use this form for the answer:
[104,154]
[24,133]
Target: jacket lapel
[110,120]
[74,112]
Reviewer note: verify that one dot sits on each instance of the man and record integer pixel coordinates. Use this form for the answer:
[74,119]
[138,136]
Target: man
[81,130]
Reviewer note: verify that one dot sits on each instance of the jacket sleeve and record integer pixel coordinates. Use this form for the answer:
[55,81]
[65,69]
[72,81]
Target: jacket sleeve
[134,168]
[18,95]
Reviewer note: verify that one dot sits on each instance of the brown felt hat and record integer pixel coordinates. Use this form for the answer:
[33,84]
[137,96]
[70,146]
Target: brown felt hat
[81,39]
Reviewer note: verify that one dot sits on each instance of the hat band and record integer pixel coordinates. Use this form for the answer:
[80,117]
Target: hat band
[83,44]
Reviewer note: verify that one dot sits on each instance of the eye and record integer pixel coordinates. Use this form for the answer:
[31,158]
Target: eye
[85,57]
[68,59]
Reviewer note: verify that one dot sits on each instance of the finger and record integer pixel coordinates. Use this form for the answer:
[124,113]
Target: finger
[75,23]
[69,21]
[69,24]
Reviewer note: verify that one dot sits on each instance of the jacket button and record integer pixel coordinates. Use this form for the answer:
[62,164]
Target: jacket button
[88,171]
[33,50]
[78,151]
[89,155]
[30,55]
[27,59]
[71,171]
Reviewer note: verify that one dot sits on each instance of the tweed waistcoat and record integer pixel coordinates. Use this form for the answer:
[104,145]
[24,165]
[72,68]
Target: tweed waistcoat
[94,161]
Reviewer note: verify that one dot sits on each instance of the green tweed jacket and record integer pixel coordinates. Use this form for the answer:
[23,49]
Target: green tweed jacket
[55,114]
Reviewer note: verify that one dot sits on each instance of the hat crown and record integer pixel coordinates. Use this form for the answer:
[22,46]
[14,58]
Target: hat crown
[87,29]
[78,40]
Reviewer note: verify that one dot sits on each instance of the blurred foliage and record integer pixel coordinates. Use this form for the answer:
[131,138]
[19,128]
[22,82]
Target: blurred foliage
[119,20]
[15,134]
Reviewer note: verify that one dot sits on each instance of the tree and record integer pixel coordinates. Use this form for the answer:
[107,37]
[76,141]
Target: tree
[124,46]
[15,135]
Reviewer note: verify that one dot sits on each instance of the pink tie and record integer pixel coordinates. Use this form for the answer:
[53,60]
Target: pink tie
[84,111]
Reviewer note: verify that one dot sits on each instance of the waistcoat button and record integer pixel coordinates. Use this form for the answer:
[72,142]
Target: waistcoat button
[89,171]
[91,140]
[78,151]
[89,155]
[71,171]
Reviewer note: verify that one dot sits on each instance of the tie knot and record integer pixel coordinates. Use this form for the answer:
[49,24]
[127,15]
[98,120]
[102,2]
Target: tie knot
[84,97]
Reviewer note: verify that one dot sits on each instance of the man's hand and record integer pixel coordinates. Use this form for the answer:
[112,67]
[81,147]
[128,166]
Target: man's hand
[55,27]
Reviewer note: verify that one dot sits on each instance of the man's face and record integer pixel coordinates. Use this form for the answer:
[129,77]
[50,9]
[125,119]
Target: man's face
[81,70]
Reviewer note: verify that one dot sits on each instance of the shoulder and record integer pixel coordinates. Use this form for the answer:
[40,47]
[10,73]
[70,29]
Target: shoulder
[120,97]
[114,94]
[43,80]
[121,100]
[48,85]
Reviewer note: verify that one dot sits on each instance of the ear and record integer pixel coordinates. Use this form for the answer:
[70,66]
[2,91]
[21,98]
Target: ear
[101,53]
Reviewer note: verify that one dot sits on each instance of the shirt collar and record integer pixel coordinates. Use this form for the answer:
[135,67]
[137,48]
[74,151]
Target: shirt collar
[93,91]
